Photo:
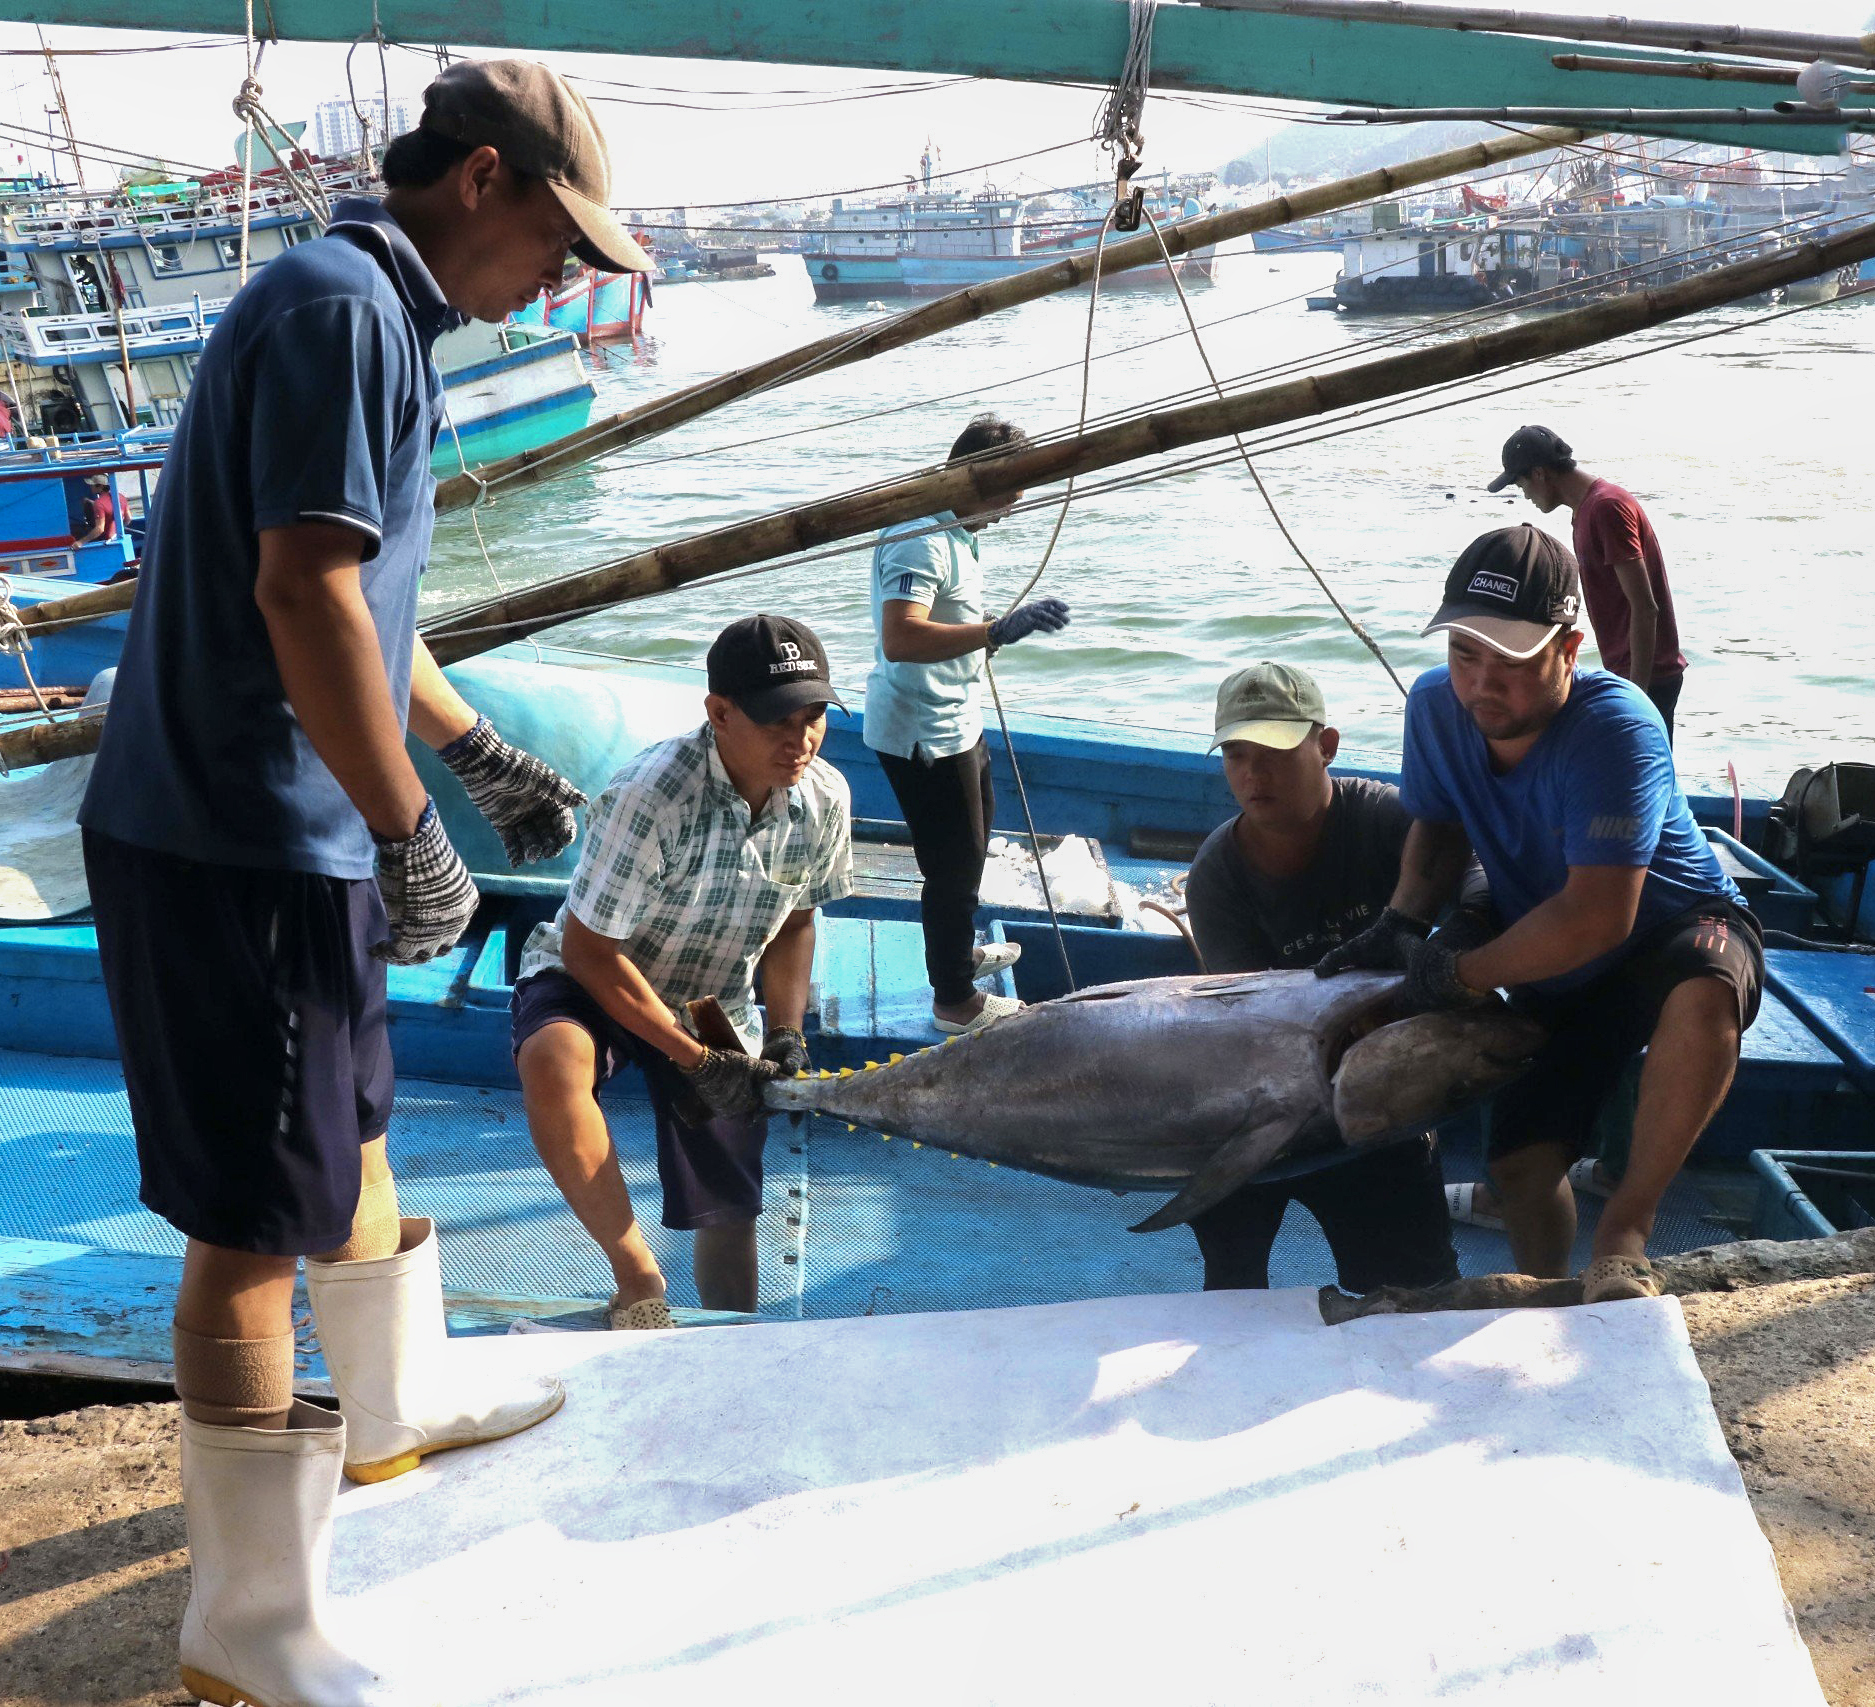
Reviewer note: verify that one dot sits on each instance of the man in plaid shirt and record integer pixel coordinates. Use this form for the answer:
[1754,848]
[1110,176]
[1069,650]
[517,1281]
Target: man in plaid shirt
[703,863]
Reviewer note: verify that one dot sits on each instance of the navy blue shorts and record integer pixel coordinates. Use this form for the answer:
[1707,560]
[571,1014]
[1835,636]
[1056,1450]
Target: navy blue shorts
[711,1172]
[1599,1027]
[250,1019]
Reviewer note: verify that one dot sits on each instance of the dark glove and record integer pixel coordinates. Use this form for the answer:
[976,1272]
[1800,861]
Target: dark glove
[729,1084]
[429,896]
[1040,616]
[1432,979]
[1382,947]
[1465,930]
[787,1048]
[529,803]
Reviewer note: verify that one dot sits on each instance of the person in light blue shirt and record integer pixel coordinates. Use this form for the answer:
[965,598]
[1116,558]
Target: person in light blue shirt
[1621,930]
[924,720]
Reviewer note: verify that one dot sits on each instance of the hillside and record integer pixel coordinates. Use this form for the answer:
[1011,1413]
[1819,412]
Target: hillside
[1316,151]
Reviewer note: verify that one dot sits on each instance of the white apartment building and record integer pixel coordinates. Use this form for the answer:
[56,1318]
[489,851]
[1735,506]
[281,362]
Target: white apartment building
[335,130]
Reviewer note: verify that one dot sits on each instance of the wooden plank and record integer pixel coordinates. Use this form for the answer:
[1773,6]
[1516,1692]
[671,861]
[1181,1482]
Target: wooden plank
[1052,41]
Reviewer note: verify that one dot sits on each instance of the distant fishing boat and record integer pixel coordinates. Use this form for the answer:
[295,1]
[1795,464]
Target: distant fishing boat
[929,242]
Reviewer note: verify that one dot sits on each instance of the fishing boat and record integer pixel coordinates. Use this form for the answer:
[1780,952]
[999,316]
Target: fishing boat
[859,1228]
[933,241]
[596,307]
[128,285]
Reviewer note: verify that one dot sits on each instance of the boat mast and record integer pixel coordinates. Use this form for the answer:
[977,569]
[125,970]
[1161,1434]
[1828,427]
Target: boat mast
[64,112]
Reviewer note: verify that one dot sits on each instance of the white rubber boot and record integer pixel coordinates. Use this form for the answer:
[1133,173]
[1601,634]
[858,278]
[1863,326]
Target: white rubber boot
[386,1349]
[259,1508]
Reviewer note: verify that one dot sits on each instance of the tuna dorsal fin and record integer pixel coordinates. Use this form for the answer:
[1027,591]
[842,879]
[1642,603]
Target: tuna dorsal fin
[1234,1162]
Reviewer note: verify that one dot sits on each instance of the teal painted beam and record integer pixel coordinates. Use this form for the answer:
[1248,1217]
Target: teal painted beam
[1050,41]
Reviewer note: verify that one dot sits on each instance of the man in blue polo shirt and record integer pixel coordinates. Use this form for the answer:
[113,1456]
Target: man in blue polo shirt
[259,845]
[1621,931]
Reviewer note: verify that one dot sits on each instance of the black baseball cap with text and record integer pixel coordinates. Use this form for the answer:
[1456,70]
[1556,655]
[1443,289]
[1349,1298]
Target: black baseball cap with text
[769,667]
[1527,449]
[1515,590]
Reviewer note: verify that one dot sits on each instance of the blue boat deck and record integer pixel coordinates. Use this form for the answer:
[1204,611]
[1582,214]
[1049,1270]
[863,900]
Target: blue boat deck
[853,1224]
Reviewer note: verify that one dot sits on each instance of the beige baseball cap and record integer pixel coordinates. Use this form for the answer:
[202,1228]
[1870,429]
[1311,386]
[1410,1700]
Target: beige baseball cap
[1274,705]
[542,128]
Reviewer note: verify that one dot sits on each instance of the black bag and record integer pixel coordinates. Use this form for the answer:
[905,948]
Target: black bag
[1824,826]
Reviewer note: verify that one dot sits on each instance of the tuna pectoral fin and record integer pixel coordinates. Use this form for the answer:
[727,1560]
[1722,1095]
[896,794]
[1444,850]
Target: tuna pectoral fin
[1236,1161]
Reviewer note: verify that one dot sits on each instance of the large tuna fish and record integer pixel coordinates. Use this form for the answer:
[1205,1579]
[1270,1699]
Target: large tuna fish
[1200,1083]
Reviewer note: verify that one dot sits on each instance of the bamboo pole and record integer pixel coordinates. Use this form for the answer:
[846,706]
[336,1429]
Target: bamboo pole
[79,607]
[1653,121]
[961,307]
[985,482]
[1713,1268]
[1636,32]
[925,321]
[1708,69]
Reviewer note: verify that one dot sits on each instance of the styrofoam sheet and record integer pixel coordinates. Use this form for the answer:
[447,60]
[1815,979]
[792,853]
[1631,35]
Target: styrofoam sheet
[1175,1499]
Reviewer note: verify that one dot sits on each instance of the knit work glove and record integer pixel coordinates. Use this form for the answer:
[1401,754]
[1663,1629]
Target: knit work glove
[1465,930]
[428,894]
[729,1084]
[1382,947]
[529,803]
[1039,616]
[787,1048]
[1432,979]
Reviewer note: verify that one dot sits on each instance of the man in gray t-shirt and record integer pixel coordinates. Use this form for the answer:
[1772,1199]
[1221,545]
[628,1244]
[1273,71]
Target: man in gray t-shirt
[1309,861]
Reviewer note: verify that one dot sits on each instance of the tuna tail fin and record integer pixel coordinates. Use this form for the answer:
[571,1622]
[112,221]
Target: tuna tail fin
[1235,1162]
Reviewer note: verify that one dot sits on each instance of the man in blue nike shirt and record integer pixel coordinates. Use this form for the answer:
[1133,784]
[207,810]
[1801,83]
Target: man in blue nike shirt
[1620,931]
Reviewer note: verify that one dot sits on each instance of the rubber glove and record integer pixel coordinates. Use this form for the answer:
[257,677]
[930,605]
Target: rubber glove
[529,803]
[1039,616]
[429,896]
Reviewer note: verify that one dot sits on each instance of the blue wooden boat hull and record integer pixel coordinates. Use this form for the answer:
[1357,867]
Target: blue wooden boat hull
[853,1224]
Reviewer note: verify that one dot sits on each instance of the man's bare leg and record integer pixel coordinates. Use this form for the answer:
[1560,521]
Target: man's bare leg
[234,1351]
[723,1261]
[1690,1062]
[1539,1209]
[557,1066]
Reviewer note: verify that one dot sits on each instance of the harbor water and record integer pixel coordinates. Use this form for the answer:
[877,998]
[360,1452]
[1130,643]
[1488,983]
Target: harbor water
[1742,447]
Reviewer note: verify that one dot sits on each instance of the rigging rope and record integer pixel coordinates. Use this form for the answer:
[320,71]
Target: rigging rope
[1116,128]
[989,671]
[1354,623]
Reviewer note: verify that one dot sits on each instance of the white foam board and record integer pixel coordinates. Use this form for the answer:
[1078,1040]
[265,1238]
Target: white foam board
[1184,1499]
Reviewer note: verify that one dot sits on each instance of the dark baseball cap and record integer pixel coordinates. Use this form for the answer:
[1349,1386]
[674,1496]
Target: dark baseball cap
[1526,449]
[1515,590]
[769,667]
[543,129]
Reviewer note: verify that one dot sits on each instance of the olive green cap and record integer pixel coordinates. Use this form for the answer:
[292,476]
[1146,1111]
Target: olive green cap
[1274,705]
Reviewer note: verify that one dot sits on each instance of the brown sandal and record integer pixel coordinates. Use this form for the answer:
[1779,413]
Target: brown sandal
[1610,1278]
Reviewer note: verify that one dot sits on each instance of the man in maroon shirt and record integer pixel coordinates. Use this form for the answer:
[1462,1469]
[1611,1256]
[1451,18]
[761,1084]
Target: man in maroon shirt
[1624,577]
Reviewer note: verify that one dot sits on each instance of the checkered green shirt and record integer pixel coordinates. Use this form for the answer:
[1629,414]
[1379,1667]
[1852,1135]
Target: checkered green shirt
[674,870]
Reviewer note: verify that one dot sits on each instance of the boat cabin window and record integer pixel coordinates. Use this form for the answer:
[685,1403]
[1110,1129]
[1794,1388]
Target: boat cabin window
[165,258]
[230,248]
